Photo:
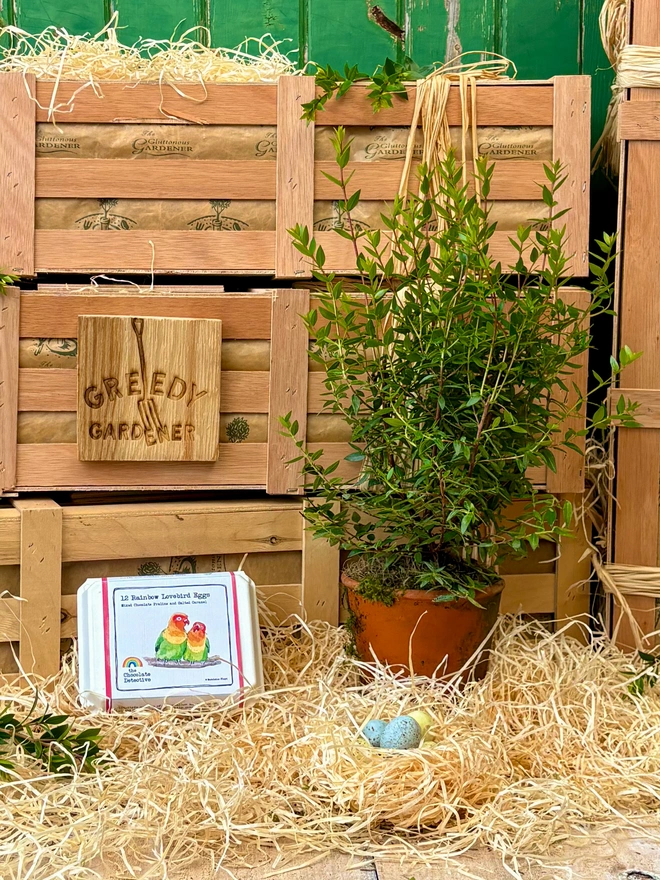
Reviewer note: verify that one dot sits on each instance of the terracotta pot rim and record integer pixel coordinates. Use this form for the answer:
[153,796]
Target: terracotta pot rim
[429,595]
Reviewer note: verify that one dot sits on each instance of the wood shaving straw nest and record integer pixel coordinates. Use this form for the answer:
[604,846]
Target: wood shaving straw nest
[57,54]
[550,747]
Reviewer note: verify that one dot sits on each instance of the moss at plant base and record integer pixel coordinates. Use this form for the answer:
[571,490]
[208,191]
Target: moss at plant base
[380,582]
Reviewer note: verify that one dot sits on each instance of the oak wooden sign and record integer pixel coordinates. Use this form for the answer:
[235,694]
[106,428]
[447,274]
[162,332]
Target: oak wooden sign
[148,388]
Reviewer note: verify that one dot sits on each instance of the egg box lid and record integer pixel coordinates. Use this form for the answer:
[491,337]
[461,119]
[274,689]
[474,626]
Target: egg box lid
[167,638]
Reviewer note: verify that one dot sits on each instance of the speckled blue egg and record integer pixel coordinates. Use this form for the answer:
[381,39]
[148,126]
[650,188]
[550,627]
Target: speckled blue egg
[373,730]
[401,733]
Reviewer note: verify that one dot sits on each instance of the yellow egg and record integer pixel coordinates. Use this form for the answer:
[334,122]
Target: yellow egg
[422,718]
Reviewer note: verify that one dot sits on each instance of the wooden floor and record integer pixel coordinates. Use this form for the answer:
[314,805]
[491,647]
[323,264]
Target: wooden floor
[616,857]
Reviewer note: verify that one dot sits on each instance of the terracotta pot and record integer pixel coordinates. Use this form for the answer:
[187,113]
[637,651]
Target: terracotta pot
[453,629]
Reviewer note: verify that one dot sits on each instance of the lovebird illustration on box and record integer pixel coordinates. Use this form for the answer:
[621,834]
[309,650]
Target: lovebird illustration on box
[176,647]
[171,636]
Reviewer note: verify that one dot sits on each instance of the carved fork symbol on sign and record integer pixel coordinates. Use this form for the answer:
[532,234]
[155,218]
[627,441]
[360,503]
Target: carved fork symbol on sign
[146,405]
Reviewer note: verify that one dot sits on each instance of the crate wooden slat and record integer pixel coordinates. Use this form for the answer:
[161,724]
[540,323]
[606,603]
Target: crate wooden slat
[55,314]
[639,121]
[41,536]
[9,336]
[292,183]
[339,251]
[210,104]
[638,449]
[166,250]
[295,172]
[569,476]
[40,584]
[557,583]
[289,369]
[17,176]
[55,390]
[287,386]
[572,128]
[245,179]
[165,179]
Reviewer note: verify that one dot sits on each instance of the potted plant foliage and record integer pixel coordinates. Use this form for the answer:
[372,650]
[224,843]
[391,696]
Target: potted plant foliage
[455,379]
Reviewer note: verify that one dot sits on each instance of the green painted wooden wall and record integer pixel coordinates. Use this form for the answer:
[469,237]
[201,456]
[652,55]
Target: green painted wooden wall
[543,37]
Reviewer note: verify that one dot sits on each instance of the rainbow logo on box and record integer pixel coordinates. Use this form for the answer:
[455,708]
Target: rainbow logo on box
[132,663]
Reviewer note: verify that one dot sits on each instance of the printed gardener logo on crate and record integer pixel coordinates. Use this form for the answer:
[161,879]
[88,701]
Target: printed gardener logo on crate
[152,144]
[148,388]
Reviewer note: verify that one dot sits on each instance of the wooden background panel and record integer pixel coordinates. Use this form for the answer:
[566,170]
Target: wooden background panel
[340,32]
[140,19]
[638,450]
[441,31]
[543,37]
[231,23]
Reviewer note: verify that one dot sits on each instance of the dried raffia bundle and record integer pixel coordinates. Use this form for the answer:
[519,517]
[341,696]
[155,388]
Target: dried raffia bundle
[55,54]
[556,744]
[431,96]
[613,23]
[639,67]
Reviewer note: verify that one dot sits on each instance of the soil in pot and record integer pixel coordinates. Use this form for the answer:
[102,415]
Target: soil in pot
[452,629]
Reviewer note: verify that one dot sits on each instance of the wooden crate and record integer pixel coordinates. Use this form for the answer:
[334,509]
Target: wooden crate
[47,550]
[42,538]
[292,183]
[637,528]
[286,382]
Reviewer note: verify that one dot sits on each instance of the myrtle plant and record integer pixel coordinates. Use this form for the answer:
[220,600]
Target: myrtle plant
[455,377]
[6,280]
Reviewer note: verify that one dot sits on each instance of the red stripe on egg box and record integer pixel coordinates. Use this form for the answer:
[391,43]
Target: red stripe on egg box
[237,633]
[106,643]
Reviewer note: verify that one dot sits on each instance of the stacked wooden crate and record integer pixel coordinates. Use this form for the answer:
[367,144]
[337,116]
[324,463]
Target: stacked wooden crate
[66,387]
[556,110]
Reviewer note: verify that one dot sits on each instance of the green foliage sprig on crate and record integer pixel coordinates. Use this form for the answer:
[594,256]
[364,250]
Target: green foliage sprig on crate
[388,81]
[451,376]
[47,738]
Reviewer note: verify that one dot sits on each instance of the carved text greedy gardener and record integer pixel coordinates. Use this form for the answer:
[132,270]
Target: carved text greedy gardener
[159,384]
